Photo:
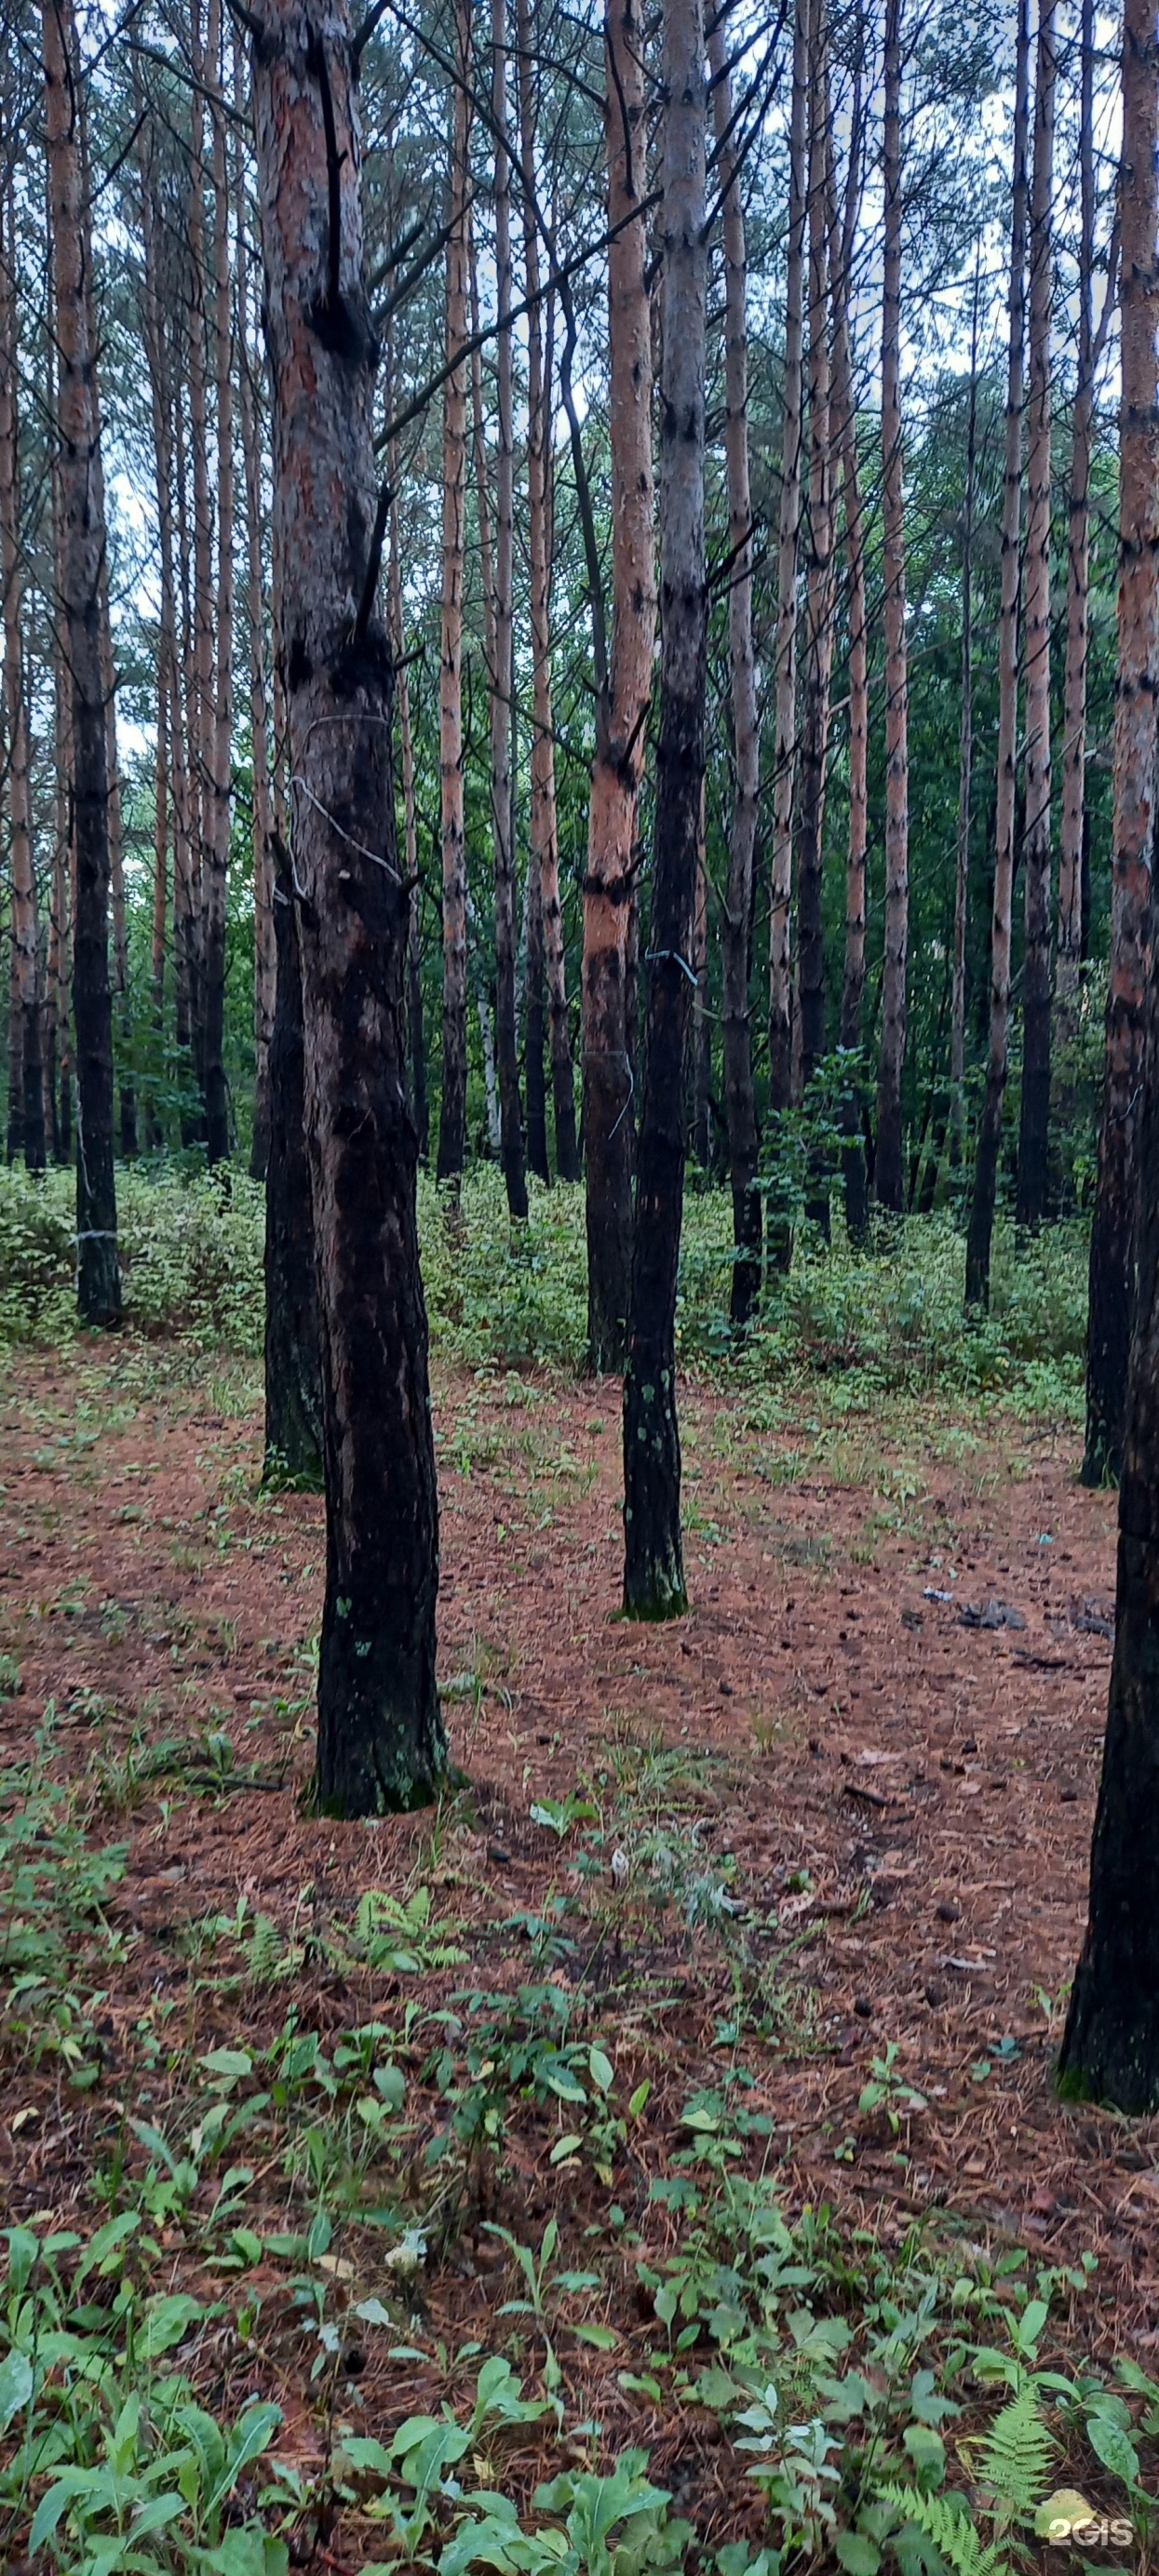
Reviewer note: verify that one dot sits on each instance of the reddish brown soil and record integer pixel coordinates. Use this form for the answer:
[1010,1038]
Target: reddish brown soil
[908,1799]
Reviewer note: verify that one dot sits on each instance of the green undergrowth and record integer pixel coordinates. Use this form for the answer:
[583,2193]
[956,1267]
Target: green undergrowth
[889,1319]
[249,2341]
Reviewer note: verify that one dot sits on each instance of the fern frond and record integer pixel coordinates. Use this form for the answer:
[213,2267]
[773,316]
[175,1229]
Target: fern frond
[1015,2460]
[946,2520]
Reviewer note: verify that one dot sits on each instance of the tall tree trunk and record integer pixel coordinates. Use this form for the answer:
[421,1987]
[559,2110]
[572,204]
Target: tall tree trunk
[200,724]
[293,1358]
[785,662]
[701,1085]
[60,1063]
[220,780]
[503,654]
[82,554]
[380,1735]
[1126,1182]
[736,963]
[453,1112]
[417,1055]
[265,936]
[25,1038]
[965,763]
[889,1161]
[845,445]
[544,835]
[1034,1125]
[154,1130]
[622,705]
[535,1027]
[981,1228]
[654,1586]
[1110,2051]
[817,690]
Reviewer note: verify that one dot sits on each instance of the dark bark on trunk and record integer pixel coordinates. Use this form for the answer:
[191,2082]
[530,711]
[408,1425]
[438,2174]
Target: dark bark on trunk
[1110,2051]
[82,554]
[1034,1122]
[654,1586]
[293,1352]
[535,1026]
[381,1744]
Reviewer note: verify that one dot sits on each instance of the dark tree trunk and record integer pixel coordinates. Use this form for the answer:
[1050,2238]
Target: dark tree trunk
[1034,1121]
[293,1354]
[1110,2052]
[535,1036]
[82,554]
[654,1586]
[381,1744]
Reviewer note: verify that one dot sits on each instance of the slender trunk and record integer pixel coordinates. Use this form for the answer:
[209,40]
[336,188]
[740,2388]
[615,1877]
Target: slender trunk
[965,764]
[544,834]
[154,1131]
[186,798]
[845,444]
[418,1066]
[622,706]
[785,660]
[736,962]
[293,1361]
[986,1154]
[503,655]
[701,1051]
[25,1026]
[220,778]
[380,1735]
[63,854]
[1126,1180]
[817,690]
[535,1028]
[265,947]
[82,554]
[654,1586]
[889,1162]
[453,1113]
[1034,1126]
[200,657]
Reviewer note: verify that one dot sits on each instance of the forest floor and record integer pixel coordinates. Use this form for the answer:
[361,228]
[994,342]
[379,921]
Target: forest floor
[706,1884]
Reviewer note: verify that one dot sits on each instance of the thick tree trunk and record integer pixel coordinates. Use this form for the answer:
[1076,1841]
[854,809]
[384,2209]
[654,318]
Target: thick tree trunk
[785,661]
[986,1153]
[293,1445]
[1126,1179]
[889,1159]
[82,555]
[736,962]
[453,1112]
[25,1026]
[380,1736]
[1110,2051]
[503,656]
[816,691]
[654,1586]
[845,444]
[965,766]
[622,712]
[220,780]
[1034,1125]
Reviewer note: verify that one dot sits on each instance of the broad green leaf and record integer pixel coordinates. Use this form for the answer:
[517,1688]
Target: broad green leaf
[16,2385]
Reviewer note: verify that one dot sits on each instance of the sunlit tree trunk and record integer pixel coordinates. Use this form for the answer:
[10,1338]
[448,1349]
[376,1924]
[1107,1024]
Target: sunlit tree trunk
[622,711]
[654,1586]
[1126,1182]
[889,1160]
[82,553]
[736,963]
[1034,1126]
[453,1112]
[989,1141]
[380,1736]
[25,1040]
[785,665]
